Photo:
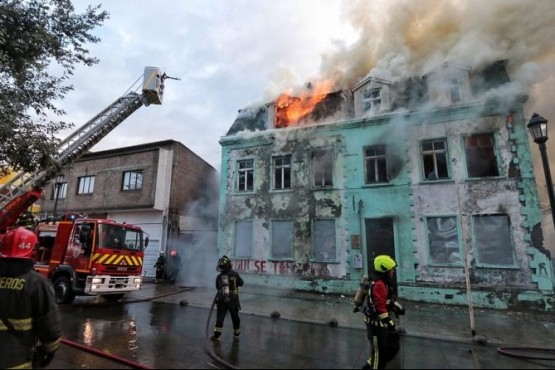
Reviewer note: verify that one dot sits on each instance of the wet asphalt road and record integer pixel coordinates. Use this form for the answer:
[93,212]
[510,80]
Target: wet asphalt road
[160,335]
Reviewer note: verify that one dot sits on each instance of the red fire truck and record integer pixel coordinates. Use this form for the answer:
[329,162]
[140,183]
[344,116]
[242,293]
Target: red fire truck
[83,256]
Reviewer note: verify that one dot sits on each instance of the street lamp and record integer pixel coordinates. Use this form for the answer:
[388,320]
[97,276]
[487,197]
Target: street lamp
[57,185]
[538,129]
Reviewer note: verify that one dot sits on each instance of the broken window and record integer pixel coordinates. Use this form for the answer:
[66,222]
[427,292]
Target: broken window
[434,158]
[324,240]
[282,239]
[132,180]
[455,92]
[245,172]
[282,172]
[375,164]
[243,239]
[85,185]
[371,100]
[322,166]
[493,239]
[443,240]
[480,156]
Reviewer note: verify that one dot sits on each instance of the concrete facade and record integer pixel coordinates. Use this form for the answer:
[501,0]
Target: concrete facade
[435,171]
[173,180]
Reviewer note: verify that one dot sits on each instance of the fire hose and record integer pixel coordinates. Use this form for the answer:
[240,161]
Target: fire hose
[207,346]
[99,352]
[533,353]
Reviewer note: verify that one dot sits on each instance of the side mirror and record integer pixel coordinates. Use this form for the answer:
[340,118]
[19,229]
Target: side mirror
[146,242]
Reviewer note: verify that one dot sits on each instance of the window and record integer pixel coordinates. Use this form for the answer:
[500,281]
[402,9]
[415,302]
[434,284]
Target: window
[371,100]
[443,240]
[434,158]
[282,172]
[282,239]
[493,240]
[375,164]
[322,166]
[132,180]
[86,185]
[480,156]
[324,240]
[61,188]
[455,90]
[243,239]
[245,178]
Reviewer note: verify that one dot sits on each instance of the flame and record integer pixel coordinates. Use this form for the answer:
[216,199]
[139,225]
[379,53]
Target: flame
[290,109]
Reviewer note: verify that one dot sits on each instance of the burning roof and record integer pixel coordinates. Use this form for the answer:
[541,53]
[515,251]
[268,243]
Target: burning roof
[319,104]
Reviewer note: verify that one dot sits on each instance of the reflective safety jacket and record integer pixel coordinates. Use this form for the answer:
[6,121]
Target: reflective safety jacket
[377,298]
[28,303]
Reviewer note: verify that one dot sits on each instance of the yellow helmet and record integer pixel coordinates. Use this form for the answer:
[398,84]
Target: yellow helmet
[384,263]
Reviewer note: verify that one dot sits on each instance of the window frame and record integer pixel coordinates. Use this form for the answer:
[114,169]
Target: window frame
[85,185]
[446,238]
[499,235]
[63,190]
[137,181]
[279,237]
[371,99]
[435,153]
[480,151]
[285,170]
[376,164]
[455,90]
[245,173]
[240,248]
[317,242]
[325,157]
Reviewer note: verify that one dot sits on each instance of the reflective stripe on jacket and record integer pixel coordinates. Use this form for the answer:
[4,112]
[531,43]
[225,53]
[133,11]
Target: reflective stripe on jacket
[29,305]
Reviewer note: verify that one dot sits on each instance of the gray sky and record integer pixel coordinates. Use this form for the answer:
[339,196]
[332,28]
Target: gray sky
[233,53]
[228,54]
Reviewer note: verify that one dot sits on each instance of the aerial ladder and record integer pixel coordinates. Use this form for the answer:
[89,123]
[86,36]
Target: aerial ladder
[24,189]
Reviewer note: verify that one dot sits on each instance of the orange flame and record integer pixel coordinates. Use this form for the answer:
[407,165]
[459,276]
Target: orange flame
[290,110]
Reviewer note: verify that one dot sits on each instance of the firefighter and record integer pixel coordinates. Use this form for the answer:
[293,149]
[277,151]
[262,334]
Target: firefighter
[30,330]
[27,220]
[228,282]
[160,267]
[375,297]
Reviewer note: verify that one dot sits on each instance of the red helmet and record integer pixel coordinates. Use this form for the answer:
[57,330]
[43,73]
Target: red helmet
[18,243]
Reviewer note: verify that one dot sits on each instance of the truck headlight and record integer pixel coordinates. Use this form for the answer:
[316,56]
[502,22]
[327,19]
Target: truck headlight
[137,280]
[98,280]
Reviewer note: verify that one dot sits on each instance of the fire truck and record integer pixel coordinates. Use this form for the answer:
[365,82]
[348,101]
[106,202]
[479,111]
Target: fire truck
[80,255]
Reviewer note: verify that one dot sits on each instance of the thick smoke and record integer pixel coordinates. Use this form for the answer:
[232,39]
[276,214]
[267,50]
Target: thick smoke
[200,253]
[398,39]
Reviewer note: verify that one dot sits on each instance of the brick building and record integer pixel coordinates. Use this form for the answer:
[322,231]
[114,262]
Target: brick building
[155,185]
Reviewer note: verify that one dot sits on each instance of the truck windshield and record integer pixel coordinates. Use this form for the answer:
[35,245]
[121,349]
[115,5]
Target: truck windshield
[119,237]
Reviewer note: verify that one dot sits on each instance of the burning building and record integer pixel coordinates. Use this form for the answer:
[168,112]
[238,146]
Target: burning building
[434,170]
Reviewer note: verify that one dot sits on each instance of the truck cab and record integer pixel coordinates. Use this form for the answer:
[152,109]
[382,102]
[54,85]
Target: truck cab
[83,256]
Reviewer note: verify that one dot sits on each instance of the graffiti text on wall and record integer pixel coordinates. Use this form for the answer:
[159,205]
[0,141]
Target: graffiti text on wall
[280,267]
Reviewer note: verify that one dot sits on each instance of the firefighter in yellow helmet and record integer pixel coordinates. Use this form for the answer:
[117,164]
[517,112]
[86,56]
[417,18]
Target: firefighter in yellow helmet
[374,296]
[28,310]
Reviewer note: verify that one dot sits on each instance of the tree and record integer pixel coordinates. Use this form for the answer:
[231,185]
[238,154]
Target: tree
[41,42]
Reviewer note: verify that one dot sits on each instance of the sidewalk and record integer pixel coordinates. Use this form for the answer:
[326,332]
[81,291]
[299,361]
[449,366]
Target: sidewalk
[442,322]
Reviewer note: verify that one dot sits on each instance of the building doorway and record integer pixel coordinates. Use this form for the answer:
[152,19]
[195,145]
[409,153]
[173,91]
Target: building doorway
[380,239]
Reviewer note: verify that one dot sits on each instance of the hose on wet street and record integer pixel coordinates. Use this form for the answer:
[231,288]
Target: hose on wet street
[531,353]
[101,353]
[208,347]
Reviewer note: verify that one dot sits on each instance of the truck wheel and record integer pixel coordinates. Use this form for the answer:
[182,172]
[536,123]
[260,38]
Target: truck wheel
[64,291]
[113,297]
